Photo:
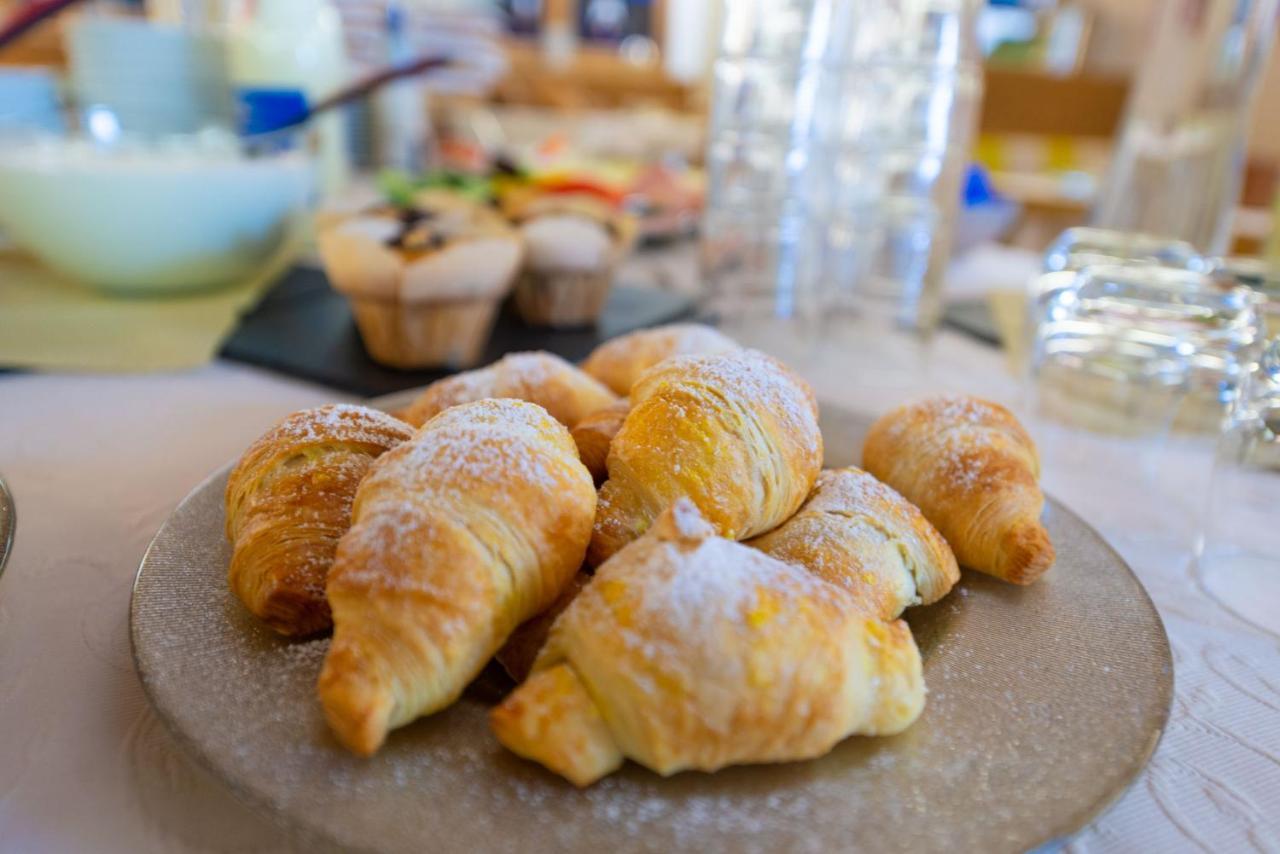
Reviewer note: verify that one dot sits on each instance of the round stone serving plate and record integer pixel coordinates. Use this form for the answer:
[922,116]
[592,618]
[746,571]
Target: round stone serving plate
[1044,703]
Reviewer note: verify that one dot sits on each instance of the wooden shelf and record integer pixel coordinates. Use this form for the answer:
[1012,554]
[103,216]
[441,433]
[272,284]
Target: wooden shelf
[594,77]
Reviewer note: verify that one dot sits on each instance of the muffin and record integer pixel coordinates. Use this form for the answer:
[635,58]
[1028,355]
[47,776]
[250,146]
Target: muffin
[425,280]
[573,243]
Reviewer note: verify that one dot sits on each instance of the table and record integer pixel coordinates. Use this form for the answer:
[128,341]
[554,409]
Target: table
[97,462]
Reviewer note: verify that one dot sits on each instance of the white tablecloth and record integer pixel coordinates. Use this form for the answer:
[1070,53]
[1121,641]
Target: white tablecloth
[96,463]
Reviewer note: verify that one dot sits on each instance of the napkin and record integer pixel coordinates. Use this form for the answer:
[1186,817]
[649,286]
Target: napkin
[50,323]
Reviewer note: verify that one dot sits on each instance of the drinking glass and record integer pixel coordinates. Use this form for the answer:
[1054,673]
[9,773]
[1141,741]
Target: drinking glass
[1149,358]
[1179,161]
[837,144]
[1079,248]
[1124,360]
[1238,560]
[1090,371]
[1257,274]
[1144,346]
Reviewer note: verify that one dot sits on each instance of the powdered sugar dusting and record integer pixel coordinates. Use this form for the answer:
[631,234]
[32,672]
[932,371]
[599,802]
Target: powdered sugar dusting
[511,371]
[748,378]
[306,656]
[677,339]
[721,581]
[495,441]
[940,412]
[696,584]
[953,408]
[851,488]
[341,422]
[700,818]
[683,523]
[963,465]
[621,361]
[536,376]
[969,456]
[862,534]
[959,430]
[503,444]
[462,388]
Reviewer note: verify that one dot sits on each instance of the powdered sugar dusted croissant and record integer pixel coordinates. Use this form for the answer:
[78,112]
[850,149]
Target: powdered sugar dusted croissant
[542,378]
[856,532]
[288,501]
[736,433]
[688,651]
[458,535]
[972,470]
[618,363]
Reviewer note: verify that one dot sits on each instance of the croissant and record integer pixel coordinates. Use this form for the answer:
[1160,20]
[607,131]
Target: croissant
[618,363]
[736,432]
[971,469]
[458,535]
[542,378]
[594,434]
[288,501]
[856,532]
[688,651]
[521,649]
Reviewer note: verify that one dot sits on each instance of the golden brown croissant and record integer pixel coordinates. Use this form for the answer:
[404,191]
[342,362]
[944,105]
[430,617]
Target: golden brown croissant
[735,432]
[856,532]
[521,649]
[618,363]
[288,501]
[594,434]
[542,378]
[688,651]
[971,469]
[459,535]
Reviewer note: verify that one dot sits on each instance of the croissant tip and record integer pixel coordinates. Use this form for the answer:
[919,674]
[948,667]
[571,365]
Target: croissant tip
[901,697]
[552,720]
[358,712]
[684,523]
[1029,553]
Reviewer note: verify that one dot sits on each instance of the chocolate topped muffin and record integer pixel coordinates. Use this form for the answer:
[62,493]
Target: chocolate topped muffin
[424,280]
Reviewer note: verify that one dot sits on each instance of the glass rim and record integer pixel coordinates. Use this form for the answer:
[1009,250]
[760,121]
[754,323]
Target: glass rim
[1170,279]
[1131,247]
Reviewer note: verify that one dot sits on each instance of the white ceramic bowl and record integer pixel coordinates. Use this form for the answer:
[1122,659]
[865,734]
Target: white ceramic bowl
[160,218]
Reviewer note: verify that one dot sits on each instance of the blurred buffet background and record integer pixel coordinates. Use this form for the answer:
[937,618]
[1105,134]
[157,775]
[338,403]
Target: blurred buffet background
[1015,121]
[215,211]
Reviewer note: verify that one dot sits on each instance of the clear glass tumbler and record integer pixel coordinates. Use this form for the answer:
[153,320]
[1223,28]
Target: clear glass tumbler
[1129,322]
[1094,368]
[839,130]
[1131,366]
[1077,249]
[1238,561]
[1180,159]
